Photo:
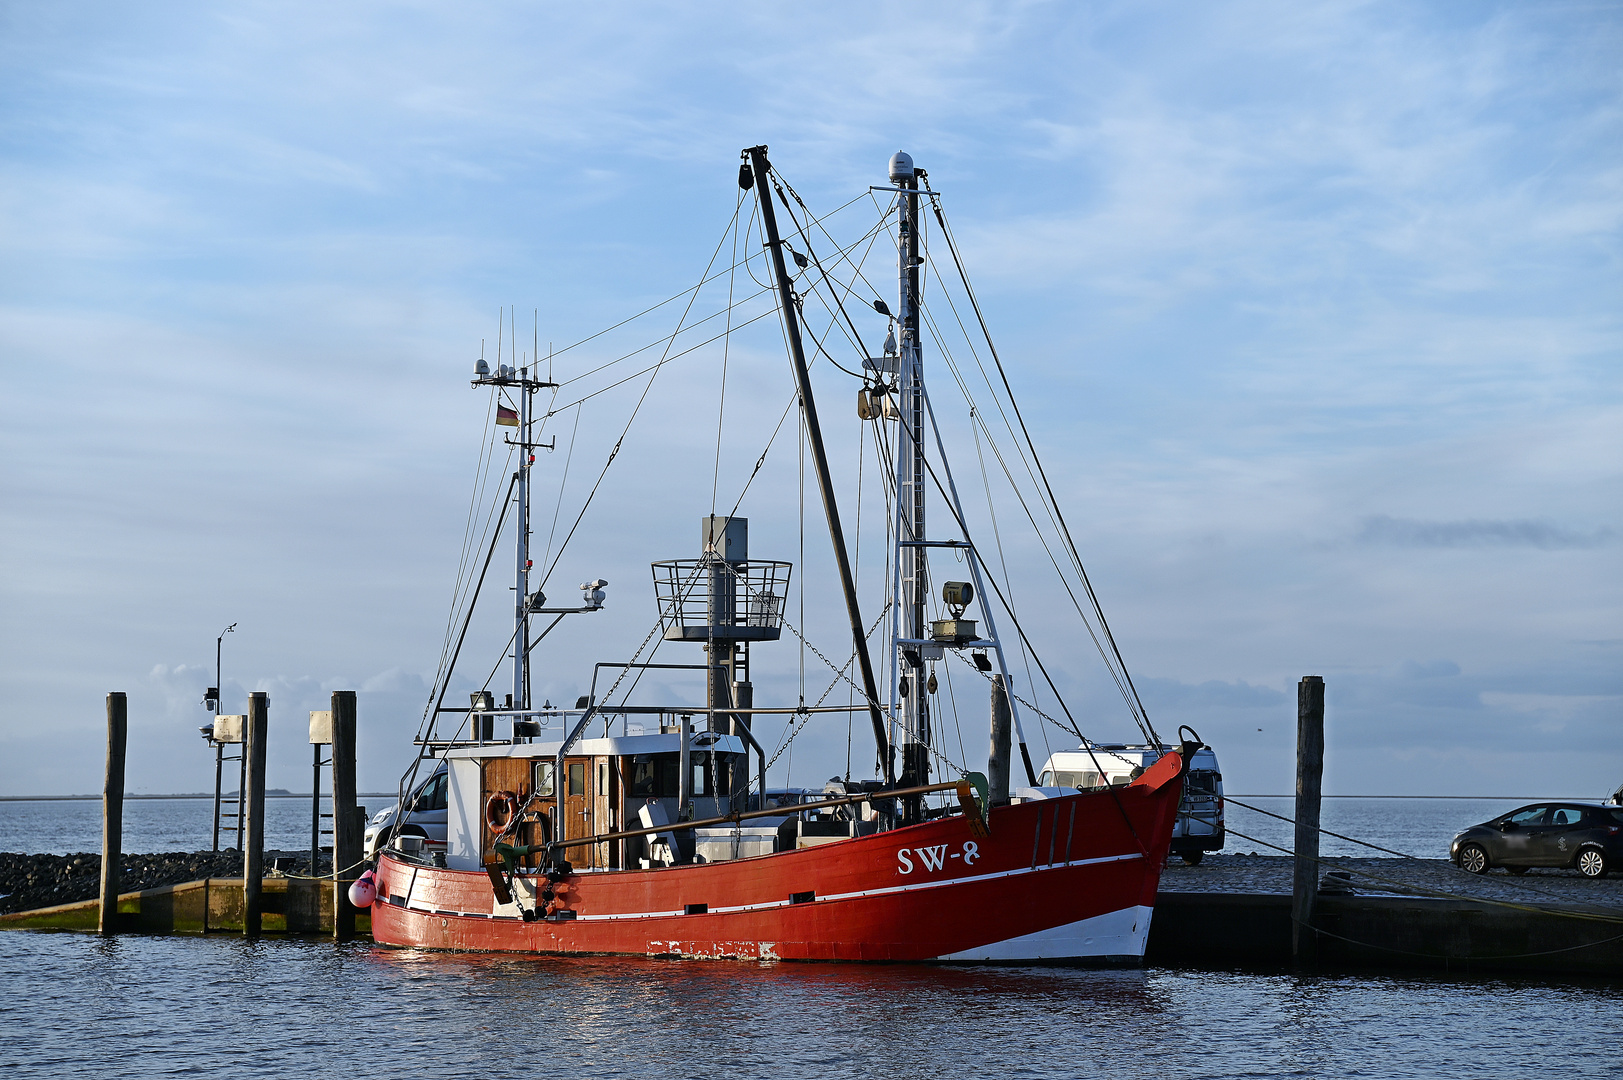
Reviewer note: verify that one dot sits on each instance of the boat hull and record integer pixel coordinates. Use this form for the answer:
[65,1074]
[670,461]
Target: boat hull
[1070,879]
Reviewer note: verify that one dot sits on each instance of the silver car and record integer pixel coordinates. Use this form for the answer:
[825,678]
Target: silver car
[425,818]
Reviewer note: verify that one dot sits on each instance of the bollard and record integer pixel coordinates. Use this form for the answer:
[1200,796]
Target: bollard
[1309,782]
[346,831]
[112,811]
[997,762]
[253,856]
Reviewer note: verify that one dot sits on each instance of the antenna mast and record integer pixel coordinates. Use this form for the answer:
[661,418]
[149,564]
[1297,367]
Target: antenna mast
[912,560]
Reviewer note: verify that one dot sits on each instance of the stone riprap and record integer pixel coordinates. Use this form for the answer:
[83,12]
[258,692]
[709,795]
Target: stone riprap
[1399,877]
[36,881]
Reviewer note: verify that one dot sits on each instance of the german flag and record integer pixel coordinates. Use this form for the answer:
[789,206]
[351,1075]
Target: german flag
[506,417]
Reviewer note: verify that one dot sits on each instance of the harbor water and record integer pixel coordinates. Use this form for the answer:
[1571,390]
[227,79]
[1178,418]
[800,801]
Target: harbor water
[79,1006]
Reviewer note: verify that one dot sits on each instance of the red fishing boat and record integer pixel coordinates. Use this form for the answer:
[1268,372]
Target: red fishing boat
[668,842]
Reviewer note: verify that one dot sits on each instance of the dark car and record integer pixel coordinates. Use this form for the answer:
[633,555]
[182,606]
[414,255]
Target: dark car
[1585,836]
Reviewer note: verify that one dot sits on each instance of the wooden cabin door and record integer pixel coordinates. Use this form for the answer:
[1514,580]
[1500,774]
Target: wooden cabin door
[605,800]
[503,774]
[579,802]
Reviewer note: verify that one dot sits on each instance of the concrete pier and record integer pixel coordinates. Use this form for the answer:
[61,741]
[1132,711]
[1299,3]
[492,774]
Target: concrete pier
[286,906]
[1412,913]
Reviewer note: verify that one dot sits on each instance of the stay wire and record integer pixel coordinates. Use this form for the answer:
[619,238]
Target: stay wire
[726,348]
[997,541]
[1526,886]
[635,410]
[1441,894]
[969,291]
[563,483]
[811,253]
[671,299]
[773,310]
[1110,667]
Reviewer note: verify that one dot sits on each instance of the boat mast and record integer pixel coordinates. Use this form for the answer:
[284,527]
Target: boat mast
[759,174]
[911,558]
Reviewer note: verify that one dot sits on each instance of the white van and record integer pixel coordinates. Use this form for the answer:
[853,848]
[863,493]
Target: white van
[426,818]
[1200,815]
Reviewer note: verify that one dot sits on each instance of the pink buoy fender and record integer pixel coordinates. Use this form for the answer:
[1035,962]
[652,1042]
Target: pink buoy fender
[364,890]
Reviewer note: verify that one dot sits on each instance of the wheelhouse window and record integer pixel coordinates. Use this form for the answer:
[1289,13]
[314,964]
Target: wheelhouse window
[711,775]
[657,776]
[654,776]
[577,778]
[541,778]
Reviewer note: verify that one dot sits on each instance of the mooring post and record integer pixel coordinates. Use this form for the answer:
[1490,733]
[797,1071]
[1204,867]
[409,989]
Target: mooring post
[112,810]
[997,762]
[346,837]
[1309,782]
[253,856]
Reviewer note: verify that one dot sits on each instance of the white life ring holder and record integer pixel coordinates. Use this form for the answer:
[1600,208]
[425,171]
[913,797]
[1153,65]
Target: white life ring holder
[502,805]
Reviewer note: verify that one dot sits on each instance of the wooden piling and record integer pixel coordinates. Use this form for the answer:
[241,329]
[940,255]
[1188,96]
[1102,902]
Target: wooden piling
[112,811]
[253,857]
[346,833]
[997,761]
[1309,784]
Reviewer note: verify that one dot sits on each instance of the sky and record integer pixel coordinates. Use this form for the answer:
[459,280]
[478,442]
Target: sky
[1313,310]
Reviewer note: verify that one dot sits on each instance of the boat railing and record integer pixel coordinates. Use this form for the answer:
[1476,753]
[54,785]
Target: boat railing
[705,598]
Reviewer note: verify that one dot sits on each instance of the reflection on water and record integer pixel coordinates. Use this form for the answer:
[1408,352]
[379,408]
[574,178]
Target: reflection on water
[76,1004]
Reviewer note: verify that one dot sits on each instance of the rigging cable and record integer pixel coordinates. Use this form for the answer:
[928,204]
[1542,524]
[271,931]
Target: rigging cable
[481,474]
[445,681]
[563,482]
[670,299]
[969,291]
[636,409]
[726,348]
[997,541]
[1116,676]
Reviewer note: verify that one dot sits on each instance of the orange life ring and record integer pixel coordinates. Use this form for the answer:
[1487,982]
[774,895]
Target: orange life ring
[503,804]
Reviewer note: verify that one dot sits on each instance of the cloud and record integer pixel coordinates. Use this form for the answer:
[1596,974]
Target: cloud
[1214,693]
[1437,669]
[1259,270]
[1406,532]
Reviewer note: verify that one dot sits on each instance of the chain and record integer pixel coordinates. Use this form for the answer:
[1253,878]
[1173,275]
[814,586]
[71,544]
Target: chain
[796,730]
[988,677]
[839,675]
[638,654]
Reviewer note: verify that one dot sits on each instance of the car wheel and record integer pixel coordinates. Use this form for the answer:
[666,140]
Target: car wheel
[1517,870]
[1192,857]
[1473,859]
[1591,862]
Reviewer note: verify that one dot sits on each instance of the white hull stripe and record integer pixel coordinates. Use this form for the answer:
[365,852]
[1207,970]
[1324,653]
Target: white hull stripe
[859,895]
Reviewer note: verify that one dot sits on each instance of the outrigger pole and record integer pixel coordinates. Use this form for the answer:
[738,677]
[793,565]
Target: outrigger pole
[759,170]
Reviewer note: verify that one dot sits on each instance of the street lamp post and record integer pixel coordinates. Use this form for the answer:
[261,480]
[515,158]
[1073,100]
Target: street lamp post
[212,701]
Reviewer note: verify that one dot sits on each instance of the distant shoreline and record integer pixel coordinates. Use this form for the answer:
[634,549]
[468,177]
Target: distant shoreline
[278,794]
